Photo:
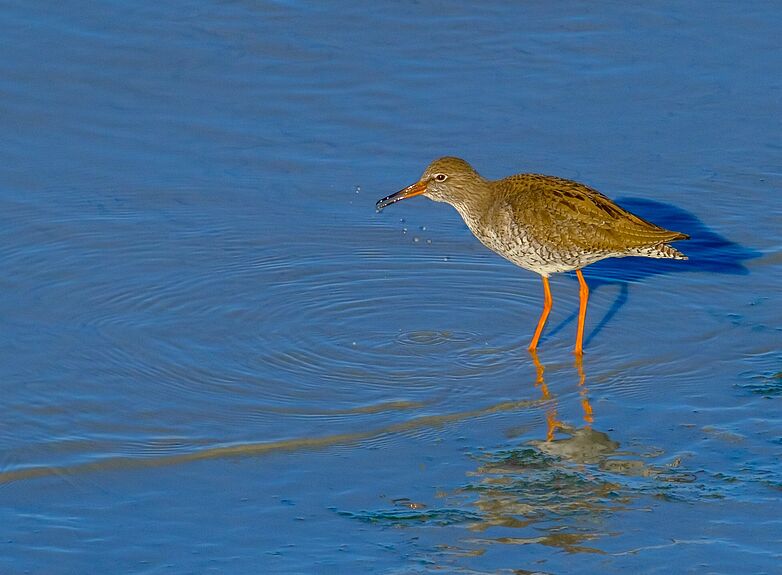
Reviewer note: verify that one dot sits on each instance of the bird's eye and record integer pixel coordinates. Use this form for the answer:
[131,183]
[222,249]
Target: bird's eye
[440,177]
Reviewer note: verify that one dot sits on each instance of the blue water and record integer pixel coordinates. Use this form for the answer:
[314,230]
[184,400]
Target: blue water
[217,358]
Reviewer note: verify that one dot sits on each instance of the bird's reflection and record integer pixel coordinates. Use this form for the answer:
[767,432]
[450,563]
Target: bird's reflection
[578,443]
[555,488]
[552,422]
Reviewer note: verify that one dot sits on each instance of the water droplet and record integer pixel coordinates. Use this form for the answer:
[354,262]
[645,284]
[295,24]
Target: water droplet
[428,241]
[402,220]
[423,228]
[416,240]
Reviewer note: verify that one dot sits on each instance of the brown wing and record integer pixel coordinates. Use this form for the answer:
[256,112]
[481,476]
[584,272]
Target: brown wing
[564,212]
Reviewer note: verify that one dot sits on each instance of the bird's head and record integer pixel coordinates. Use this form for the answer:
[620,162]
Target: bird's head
[446,179]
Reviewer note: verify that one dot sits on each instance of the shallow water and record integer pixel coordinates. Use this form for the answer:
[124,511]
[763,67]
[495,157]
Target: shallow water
[218,358]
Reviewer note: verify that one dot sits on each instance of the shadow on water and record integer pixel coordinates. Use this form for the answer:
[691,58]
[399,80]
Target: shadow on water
[708,252]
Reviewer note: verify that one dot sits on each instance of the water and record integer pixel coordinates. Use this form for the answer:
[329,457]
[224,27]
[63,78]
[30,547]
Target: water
[216,358]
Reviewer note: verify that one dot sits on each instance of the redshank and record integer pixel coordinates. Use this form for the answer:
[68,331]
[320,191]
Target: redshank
[542,223]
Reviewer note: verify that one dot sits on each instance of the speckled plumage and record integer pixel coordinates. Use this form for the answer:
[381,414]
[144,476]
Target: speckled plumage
[542,223]
[547,224]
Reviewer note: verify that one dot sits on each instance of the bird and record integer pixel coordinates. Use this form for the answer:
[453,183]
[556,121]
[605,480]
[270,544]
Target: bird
[545,224]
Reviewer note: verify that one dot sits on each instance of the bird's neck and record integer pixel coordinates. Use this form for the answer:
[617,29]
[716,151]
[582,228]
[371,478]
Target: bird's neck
[473,202]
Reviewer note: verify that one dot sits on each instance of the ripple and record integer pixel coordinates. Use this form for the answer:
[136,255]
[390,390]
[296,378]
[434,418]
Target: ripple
[767,384]
[347,324]
[293,319]
[434,338]
[407,517]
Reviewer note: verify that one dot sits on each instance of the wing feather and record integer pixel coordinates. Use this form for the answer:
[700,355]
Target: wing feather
[564,212]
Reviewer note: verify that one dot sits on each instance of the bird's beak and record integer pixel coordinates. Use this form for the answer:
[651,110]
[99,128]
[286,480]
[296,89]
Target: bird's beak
[416,189]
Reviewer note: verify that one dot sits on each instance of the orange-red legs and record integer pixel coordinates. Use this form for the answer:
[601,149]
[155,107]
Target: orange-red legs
[547,301]
[583,295]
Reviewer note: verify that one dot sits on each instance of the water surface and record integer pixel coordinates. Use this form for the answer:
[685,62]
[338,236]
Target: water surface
[217,358]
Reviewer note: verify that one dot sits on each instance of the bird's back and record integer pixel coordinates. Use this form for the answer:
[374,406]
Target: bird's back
[550,224]
[562,211]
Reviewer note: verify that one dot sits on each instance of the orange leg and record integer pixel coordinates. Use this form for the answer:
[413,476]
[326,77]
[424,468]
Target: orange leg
[547,301]
[583,294]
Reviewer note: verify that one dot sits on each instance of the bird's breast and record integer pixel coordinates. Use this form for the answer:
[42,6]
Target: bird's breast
[500,231]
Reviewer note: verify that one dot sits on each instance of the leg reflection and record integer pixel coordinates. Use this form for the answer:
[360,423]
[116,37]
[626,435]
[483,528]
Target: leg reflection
[586,406]
[553,423]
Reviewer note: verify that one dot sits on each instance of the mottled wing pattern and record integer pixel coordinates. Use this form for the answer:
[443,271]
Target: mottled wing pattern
[563,212]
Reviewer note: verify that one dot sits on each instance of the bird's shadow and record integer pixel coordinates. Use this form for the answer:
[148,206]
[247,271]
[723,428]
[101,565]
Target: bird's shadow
[707,251]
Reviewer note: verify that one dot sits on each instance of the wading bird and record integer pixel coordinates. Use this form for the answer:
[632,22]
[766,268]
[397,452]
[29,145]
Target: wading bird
[542,223]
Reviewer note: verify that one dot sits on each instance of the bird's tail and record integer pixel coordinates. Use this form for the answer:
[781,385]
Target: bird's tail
[661,251]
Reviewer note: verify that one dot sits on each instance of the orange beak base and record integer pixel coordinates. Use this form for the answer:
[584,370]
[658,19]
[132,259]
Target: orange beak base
[415,190]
